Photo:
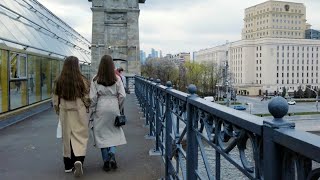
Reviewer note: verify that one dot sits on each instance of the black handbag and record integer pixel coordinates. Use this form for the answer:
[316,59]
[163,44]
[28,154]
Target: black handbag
[120,120]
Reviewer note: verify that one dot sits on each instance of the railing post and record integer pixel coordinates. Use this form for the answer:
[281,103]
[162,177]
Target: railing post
[192,147]
[157,117]
[127,83]
[168,150]
[272,152]
[149,107]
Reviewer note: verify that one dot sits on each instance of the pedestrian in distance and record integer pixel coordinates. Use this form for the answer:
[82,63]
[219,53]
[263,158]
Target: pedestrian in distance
[107,95]
[124,82]
[123,78]
[71,102]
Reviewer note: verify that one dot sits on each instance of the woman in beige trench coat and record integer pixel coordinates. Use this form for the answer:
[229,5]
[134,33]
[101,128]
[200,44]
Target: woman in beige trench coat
[71,102]
[107,95]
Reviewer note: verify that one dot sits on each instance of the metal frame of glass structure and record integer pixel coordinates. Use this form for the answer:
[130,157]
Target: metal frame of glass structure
[33,45]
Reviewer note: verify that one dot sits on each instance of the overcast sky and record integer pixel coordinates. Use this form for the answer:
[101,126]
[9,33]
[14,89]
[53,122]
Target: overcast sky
[178,25]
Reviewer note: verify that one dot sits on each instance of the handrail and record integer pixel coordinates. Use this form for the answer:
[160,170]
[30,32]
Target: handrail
[174,118]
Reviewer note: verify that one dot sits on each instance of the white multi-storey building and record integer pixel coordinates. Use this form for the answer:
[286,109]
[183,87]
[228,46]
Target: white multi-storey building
[178,58]
[269,63]
[275,19]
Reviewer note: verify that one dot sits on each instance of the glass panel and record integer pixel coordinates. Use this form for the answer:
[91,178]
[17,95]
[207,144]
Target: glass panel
[18,64]
[22,66]
[55,70]
[85,70]
[4,103]
[45,78]
[34,80]
[18,94]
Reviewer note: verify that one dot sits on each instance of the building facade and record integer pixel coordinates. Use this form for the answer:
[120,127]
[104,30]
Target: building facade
[275,19]
[267,59]
[269,64]
[179,58]
[34,43]
[312,34]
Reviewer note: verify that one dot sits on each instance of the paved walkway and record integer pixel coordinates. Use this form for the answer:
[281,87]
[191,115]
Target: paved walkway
[29,150]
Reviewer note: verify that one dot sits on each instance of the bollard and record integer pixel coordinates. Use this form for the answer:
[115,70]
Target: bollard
[168,151]
[272,168]
[192,146]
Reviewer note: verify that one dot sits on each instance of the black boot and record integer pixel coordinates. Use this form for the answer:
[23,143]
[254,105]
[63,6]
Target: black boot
[106,166]
[113,162]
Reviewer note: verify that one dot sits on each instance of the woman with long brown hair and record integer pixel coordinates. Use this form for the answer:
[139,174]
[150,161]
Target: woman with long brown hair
[71,102]
[107,96]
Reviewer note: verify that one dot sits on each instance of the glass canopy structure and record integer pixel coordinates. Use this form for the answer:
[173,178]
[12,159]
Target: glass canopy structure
[33,44]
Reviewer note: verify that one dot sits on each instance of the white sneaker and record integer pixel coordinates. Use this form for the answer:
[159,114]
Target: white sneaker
[68,170]
[78,171]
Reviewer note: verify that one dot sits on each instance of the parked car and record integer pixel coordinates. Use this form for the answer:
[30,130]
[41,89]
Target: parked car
[239,107]
[291,102]
[209,98]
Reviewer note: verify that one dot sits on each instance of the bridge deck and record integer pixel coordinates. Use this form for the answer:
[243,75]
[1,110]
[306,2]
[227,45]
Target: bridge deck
[29,150]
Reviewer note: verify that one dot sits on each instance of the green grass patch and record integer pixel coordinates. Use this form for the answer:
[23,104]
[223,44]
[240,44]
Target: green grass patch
[291,114]
[231,103]
[305,100]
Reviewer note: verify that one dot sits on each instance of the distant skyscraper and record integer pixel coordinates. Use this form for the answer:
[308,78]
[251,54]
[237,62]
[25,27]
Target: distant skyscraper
[161,54]
[142,56]
[157,54]
[153,53]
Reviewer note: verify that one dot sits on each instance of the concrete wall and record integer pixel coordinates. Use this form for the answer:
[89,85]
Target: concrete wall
[115,31]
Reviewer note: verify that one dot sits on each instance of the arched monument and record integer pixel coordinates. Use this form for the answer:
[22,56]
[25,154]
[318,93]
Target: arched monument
[115,31]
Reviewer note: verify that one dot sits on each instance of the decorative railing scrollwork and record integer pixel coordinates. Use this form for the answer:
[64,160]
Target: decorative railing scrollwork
[196,137]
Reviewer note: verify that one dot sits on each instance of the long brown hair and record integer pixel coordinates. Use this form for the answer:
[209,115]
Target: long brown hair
[70,85]
[106,75]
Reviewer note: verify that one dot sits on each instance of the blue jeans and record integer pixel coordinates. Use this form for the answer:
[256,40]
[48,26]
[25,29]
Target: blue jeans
[106,151]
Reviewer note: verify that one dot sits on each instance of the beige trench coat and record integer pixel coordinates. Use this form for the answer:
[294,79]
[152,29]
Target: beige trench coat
[74,123]
[105,103]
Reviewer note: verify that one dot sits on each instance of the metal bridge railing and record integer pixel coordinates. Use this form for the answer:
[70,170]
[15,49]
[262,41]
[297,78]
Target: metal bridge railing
[187,130]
